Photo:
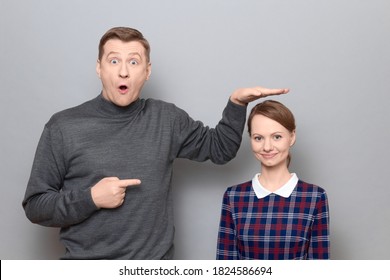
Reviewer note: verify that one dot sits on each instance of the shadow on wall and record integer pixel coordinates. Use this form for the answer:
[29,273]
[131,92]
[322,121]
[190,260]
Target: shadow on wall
[46,240]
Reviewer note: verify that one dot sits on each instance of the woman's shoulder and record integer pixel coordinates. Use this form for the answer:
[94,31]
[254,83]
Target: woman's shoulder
[304,186]
[242,187]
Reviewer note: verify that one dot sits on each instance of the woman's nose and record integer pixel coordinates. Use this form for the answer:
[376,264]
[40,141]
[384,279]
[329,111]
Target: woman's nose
[268,145]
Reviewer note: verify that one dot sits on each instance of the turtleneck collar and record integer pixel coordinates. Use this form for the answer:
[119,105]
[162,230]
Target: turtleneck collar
[111,110]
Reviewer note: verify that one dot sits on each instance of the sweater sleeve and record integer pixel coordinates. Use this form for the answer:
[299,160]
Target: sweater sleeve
[219,144]
[45,203]
[227,242]
[319,247]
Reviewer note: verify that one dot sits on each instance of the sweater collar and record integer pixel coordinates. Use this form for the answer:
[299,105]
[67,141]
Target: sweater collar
[110,109]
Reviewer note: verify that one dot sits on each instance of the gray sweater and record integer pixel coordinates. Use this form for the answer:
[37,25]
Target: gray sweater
[81,145]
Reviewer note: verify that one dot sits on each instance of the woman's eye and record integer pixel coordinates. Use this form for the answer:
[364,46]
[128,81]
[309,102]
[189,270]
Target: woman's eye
[257,138]
[277,137]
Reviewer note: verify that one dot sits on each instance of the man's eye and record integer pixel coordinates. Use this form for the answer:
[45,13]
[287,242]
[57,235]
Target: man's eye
[133,62]
[114,61]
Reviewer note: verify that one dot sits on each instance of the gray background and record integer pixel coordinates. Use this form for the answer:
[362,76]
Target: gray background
[333,54]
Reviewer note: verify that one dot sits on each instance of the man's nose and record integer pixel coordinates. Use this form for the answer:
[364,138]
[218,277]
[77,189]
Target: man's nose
[124,72]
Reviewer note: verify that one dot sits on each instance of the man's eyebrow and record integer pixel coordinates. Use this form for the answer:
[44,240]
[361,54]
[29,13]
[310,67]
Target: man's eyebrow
[134,54]
[112,53]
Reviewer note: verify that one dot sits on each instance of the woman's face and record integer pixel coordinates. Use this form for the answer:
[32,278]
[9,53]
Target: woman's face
[270,141]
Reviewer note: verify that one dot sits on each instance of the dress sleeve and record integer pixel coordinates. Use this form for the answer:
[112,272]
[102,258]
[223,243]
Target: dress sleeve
[319,247]
[227,243]
[198,142]
[45,203]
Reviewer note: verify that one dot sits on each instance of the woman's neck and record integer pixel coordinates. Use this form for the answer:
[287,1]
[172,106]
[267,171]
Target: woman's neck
[274,178]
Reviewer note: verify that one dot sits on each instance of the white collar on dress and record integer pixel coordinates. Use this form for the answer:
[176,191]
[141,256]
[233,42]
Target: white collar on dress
[285,191]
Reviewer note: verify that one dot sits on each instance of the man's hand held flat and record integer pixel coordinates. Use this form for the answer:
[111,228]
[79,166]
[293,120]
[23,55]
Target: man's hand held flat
[243,96]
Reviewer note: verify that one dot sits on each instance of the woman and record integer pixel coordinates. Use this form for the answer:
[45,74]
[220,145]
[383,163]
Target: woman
[275,215]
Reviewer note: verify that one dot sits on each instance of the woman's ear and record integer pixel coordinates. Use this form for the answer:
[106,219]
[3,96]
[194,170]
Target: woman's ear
[293,138]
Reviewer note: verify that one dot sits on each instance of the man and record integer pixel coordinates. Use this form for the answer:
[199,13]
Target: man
[102,170]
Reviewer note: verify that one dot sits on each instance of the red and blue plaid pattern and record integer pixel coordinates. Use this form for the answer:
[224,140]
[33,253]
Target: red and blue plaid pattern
[274,227]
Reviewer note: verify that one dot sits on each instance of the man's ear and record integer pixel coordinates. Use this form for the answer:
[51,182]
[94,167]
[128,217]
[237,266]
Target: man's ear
[149,71]
[98,68]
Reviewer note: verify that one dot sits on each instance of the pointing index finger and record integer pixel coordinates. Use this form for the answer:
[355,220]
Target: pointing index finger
[128,182]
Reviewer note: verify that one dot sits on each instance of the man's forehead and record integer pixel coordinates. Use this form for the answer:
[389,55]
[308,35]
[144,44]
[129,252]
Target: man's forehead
[118,46]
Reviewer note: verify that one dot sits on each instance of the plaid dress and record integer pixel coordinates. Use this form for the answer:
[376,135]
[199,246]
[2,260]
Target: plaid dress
[274,227]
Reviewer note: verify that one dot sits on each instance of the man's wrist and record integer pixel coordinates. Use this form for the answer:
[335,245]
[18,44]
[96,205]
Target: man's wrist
[237,101]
